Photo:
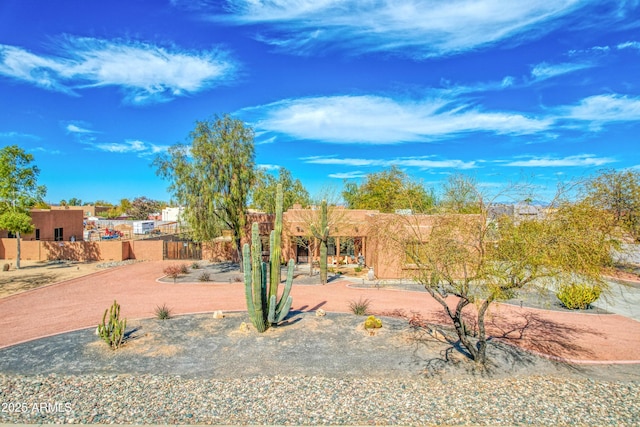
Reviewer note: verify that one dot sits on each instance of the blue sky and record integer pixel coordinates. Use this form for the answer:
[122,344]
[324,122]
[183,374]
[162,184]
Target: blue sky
[502,91]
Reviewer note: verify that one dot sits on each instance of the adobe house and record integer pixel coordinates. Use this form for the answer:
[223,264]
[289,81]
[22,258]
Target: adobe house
[88,210]
[54,225]
[348,231]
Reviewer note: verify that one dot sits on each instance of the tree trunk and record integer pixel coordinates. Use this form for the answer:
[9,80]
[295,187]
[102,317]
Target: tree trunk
[482,335]
[18,250]
[239,252]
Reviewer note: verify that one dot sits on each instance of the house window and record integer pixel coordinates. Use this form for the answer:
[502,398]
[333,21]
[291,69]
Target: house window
[37,234]
[57,234]
[331,246]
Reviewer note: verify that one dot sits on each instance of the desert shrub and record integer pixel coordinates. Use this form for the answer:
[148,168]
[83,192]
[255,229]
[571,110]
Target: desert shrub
[204,276]
[372,322]
[238,279]
[578,296]
[357,269]
[112,330]
[195,266]
[173,271]
[163,312]
[359,307]
[184,269]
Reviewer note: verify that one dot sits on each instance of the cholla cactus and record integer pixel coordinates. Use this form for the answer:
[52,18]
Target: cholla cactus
[112,332]
[262,304]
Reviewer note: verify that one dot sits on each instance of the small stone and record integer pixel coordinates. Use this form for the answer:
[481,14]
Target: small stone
[320,312]
[218,314]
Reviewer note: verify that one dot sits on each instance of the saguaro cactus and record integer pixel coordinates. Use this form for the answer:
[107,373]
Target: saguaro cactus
[322,233]
[112,332]
[262,302]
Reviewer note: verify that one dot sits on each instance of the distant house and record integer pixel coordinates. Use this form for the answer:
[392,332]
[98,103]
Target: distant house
[88,210]
[172,214]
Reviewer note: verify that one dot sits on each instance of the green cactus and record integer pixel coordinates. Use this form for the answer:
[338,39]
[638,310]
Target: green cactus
[112,332]
[322,234]
[262,304]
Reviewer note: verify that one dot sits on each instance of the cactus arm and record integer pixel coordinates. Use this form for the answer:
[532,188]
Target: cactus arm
[272,309]
[246,262]
[285,309]
[276,243]
[257,279]
[287,287]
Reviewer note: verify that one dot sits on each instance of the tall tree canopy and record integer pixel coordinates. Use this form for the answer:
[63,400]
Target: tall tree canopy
[19,191]
[617,192]
[212,177]
[264,190]
[142,207]
[388,191]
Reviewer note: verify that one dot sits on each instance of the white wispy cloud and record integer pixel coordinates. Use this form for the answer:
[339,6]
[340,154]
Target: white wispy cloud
[140,148]
[47,151]
[580,160]
[601,109]
[545,70]
[74,128]
[421,162]
[347,175]
[374,119]
[268,167]
[629,45]
[408,27]
[18,135]
[145,72]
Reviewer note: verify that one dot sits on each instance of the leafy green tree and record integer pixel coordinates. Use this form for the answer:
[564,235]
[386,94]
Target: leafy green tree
[460,195]
[212,177]
[468,262]
[75,202]
[617,192]
[388,191]
[19,192]
[265,187]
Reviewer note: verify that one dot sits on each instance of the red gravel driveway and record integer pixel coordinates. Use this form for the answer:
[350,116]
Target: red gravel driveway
[80,303]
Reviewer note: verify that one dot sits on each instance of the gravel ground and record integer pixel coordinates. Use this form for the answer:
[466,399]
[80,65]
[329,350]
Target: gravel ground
[126,399]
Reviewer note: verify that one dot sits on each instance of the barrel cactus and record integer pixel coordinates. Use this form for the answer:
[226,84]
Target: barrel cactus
[372,322]
[263,305]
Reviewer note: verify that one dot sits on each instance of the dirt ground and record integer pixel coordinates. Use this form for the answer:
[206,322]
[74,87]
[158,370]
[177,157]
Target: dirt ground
[34,274]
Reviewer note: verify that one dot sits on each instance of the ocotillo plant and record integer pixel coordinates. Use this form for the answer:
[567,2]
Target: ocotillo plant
[262,304]
[322,233]
[112,332]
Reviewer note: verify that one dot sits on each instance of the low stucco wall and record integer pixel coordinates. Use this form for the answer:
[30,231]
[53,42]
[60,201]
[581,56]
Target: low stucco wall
[37,250]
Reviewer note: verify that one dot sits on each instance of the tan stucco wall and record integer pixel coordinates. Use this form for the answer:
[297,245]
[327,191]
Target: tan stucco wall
[78,251]
[148,250]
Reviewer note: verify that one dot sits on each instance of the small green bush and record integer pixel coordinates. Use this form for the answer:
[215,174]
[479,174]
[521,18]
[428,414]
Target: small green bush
[578,296]
[163,312]
[195,266]
[204,276]
[357,269]
[360,307]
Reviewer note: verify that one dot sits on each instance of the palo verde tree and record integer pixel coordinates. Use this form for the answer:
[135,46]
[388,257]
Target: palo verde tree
[19,192]
[467,262]
[387,191]
[212,177]
[617,192]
